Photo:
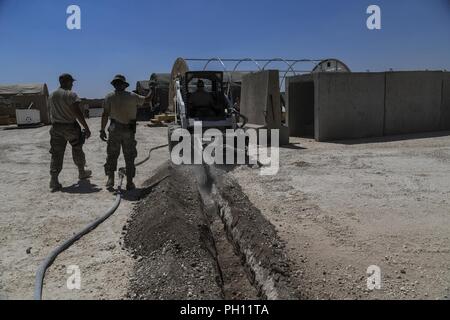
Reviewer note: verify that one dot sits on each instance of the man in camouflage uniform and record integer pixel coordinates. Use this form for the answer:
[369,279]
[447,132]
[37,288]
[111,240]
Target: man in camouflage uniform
[120,107]
[64,106]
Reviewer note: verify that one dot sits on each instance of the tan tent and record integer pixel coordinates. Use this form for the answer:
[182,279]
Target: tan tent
[142,87]
[22,95]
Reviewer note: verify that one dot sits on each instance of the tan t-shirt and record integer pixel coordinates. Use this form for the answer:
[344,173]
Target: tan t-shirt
[60,104]
[122,106]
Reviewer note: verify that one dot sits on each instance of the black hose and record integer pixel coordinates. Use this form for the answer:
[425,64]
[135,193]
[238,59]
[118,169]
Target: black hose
[149,152]
[40,274]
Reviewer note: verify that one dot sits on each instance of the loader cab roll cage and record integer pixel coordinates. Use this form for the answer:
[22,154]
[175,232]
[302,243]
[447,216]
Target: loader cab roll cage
[213,81]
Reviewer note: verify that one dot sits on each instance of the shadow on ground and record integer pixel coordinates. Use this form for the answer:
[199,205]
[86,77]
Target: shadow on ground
[292,146]
[140,193]
[402,137]
[82,187]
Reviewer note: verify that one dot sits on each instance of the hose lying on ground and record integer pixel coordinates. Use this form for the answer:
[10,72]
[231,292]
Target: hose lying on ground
[40,274]
[149,153]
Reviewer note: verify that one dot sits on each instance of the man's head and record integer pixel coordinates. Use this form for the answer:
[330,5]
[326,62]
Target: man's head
[200,85]
[66,81]
[120,83]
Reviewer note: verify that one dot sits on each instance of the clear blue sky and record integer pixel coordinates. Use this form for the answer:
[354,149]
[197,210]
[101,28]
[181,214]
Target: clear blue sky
[137,37]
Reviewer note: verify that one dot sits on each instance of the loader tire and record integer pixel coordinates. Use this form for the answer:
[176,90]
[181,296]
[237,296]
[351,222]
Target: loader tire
[170,129]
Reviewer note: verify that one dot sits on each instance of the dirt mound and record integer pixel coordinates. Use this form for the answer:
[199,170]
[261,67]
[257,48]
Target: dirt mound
[171,241]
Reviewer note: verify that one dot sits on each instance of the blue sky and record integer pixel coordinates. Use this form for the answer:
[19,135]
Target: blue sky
[137,38]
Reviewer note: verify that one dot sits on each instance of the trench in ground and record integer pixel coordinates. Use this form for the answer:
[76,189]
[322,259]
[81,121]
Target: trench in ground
[234,275]
[196,235]
[180,242]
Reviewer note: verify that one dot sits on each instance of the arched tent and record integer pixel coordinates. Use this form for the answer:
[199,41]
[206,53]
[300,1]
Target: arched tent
[23,95]
[142,87]
[159,83]
[160,79]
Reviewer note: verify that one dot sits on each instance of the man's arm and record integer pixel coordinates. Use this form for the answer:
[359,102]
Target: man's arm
[80,117]
[103,135]
[149,96]
[105,117]
[141,100]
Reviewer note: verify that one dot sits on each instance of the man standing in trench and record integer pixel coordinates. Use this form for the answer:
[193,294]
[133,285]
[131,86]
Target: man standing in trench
[120,107]
[64,105]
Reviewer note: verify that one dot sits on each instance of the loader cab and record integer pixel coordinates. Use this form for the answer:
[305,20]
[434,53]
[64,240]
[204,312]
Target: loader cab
[208,102]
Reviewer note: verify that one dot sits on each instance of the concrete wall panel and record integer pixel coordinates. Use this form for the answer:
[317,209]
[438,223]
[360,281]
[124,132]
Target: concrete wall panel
[445,107]
[349,105]
[413,102]
[260,98]
[300,105]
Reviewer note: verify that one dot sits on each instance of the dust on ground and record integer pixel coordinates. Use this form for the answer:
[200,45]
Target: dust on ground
[34,220]
[341,207]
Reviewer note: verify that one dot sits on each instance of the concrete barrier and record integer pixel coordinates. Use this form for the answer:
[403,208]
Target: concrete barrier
[348,105]
[260,98]
[445,107]
[360,105]
[300,105]
[413,102]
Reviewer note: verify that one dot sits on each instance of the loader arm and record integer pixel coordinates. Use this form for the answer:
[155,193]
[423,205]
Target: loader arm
[181,107]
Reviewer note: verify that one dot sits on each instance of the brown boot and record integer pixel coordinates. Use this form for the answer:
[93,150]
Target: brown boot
[84,174]
[54,184]
[110,182]
[130,184]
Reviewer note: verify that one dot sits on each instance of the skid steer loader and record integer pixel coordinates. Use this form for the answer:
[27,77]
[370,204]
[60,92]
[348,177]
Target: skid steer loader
[218,114]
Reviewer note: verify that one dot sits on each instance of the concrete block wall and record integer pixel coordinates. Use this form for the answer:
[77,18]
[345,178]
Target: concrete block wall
[445,107]
[348,105]
[300,93]
[260,98]
[359,105]
[413,102]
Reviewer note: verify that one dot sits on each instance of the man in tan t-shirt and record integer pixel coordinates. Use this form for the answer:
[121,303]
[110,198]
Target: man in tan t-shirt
[120,107]
[64,106]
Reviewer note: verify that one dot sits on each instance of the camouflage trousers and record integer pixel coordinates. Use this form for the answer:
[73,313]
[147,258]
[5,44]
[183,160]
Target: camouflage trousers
[60,134]
[121,136]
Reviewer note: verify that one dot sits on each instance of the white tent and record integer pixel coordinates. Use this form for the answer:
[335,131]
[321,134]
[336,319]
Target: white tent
[23,95]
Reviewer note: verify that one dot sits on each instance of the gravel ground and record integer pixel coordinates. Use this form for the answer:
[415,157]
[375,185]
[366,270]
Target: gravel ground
[33,219]
[341,207]
[337,207]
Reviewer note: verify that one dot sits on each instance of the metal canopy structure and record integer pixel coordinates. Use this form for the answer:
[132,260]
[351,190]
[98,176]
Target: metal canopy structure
[233,72]
[231,65]
[331,65]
